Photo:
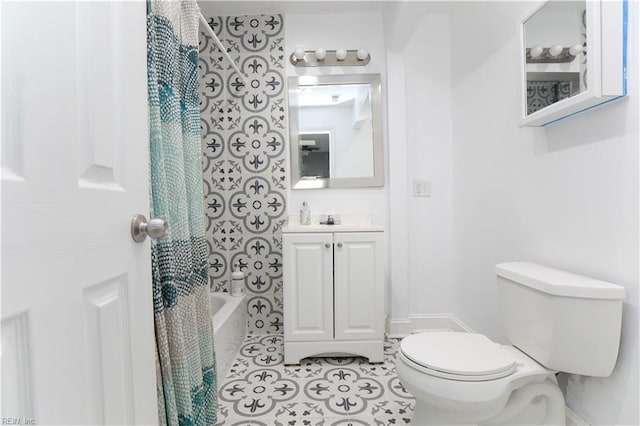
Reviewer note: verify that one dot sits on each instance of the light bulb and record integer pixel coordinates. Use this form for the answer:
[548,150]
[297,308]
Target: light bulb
[341,54]
[298,53]
[575,50]
[535,51]
[321,53]
[555,50]
[362,54]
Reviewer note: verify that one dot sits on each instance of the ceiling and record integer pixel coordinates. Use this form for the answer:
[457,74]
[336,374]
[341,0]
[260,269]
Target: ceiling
[292,7]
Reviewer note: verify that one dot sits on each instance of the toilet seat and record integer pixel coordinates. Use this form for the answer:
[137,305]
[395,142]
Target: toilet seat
[457,356]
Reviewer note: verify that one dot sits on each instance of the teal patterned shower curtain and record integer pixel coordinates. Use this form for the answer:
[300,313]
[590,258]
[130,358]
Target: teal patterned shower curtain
[185,361]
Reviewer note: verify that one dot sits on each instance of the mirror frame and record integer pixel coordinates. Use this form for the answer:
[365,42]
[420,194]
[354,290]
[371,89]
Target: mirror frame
[606,63]
[297,181]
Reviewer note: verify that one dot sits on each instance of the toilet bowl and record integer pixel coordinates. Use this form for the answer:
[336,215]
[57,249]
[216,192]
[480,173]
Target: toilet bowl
[465,378]
[556,321]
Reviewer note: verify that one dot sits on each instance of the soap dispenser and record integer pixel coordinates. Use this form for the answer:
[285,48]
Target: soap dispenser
[237,282]
[305,214]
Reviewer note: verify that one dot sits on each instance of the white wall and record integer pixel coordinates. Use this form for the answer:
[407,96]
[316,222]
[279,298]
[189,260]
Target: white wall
[565,196]
[424,152]
[398,296]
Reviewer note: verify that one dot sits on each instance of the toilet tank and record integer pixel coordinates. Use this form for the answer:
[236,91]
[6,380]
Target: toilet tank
[566,322]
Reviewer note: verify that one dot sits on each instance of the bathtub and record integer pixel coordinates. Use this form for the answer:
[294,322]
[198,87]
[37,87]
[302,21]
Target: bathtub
[229,329]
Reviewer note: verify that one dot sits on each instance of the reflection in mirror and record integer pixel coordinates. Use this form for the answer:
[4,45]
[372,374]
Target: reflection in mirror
[314,154]
[556,53]
[335,131]
[340,118]
[558,81]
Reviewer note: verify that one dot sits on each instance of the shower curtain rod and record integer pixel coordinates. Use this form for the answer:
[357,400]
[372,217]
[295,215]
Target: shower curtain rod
[212,34]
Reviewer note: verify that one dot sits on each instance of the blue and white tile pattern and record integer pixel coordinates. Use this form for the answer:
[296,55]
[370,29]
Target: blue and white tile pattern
[244,137]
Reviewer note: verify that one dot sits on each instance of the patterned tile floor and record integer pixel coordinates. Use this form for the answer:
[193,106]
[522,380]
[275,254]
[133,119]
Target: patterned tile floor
[260,390]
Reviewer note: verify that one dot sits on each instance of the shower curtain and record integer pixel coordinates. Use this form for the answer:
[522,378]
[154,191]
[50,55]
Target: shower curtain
[185,362]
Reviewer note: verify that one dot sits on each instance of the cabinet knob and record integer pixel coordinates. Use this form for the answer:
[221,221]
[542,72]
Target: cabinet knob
[339,244]
[327,245]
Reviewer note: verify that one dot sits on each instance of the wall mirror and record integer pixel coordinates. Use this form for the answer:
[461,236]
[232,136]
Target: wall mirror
[573,58]
[335,124]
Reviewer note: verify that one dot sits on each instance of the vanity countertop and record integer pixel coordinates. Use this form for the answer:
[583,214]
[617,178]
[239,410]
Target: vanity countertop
[349,223]
[316,227]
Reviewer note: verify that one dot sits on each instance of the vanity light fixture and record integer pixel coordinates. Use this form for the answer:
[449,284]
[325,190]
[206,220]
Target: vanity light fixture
[298,53]
[554,54]
[535,51]
[323,57]
[555,51]
[576,49]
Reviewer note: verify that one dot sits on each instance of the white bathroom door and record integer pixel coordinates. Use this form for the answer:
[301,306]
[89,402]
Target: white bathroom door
[77,316]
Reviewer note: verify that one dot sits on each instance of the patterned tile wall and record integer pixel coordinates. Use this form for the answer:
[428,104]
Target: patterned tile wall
[244,133]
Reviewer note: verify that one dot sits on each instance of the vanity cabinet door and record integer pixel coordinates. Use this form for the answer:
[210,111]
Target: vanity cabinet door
[359,286]
[308,287]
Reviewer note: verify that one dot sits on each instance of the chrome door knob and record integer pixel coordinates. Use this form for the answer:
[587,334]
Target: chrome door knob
[339,244]
[327,245]
[155,228]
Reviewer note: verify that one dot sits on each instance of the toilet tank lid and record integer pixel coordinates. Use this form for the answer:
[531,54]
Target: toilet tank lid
[558,283]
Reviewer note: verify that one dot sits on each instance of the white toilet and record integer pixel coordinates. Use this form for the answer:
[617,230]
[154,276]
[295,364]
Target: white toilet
[555,320]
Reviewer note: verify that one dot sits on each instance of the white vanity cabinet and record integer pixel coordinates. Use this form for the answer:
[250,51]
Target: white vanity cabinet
[333,293]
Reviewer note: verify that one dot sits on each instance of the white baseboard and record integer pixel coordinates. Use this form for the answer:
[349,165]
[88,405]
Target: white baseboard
[398,327]
[402,327]
[573,419]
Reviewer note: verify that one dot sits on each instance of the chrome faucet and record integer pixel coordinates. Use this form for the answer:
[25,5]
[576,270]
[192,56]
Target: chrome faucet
[330,220]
